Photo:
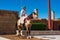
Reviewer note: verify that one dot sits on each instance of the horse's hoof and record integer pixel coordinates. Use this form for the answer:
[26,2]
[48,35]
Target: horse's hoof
[28,37]
[22,35]
[17,34]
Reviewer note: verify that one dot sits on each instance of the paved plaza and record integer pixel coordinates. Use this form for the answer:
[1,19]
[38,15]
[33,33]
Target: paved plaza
[50,37]
[14,37]
[36,37]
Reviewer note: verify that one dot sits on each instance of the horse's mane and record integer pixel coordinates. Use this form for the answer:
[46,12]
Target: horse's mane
[30,16]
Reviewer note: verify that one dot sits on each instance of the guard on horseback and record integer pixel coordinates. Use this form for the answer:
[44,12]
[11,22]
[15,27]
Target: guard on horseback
[24,21]
[20,22]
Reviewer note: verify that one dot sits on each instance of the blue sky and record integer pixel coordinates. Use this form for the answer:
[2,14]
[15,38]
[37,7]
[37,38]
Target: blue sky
[42,5]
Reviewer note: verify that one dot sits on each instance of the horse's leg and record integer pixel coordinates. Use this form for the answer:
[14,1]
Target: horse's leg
[29,30]
[26,29]
[17,31]
[21,32]
[19,28]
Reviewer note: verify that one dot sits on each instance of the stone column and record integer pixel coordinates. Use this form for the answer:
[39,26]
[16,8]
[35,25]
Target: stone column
[52,18]
[49,16]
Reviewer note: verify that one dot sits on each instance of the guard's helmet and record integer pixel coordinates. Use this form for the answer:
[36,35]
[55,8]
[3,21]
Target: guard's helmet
[24,7]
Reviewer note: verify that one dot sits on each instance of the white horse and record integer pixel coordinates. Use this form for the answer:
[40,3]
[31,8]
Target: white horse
[27,24]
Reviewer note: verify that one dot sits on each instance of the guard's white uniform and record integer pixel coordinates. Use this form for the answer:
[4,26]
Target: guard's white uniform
[22,17]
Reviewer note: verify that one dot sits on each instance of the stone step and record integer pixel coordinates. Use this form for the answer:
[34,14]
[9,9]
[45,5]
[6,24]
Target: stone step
[45,32]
